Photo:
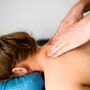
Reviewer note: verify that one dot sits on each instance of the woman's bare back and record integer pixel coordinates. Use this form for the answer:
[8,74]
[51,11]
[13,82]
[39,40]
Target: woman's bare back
[71,71]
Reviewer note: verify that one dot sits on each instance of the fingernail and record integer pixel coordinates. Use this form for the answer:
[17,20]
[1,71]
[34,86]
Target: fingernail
[48,54]
[54,56]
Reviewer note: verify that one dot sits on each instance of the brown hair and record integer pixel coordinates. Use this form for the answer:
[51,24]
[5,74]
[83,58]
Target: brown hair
[14,48]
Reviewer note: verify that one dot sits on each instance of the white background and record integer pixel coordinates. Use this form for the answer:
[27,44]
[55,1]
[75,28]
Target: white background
[42,17]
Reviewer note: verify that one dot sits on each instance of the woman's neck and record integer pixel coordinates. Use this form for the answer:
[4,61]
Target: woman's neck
[39,57]
[37,60]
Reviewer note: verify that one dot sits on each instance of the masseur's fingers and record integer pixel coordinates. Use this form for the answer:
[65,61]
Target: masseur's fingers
[57,49]
[62,50]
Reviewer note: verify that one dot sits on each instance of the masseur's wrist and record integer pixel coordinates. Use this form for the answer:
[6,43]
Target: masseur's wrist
[81,5]
[78,10]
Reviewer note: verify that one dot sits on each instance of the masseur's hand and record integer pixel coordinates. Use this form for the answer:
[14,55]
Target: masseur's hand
[72,37]
[74,15]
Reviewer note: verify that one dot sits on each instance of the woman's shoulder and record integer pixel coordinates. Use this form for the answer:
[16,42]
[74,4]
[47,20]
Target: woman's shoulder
[73,66]
[77,56]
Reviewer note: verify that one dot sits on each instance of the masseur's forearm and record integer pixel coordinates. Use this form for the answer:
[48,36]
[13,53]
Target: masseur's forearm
[86,5]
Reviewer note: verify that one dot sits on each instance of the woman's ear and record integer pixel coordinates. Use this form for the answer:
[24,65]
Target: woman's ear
[20,70]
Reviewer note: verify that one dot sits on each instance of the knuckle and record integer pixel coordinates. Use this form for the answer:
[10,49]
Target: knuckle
[62,22]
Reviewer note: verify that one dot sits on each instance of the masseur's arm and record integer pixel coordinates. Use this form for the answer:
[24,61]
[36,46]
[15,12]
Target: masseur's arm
[69,35]
[87,5]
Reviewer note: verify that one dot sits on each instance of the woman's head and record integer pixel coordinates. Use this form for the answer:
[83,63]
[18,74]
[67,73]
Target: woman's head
[14,48]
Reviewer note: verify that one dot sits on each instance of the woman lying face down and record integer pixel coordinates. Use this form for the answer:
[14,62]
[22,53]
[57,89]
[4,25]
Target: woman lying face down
[19,55]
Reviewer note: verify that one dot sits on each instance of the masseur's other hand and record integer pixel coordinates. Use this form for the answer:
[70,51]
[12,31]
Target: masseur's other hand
[72,37]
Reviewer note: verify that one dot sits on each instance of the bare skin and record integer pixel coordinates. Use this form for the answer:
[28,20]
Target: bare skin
[70,71]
